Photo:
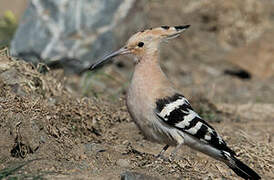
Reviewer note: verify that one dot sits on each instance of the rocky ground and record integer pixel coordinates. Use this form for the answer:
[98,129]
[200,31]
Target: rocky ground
[58,126]
[49,132]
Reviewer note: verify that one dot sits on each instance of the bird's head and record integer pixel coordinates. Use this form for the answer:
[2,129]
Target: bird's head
[144,42]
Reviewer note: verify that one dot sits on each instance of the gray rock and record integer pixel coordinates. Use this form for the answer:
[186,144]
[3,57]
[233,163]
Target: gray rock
[72,33]
[93,147]
[136,176]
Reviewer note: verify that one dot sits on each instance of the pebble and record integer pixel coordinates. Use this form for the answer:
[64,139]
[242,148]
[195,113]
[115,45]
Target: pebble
[122,163]
[89,147]
[136,176]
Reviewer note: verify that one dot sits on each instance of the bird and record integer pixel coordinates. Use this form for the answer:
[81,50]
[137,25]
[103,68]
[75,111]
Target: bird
[160,111]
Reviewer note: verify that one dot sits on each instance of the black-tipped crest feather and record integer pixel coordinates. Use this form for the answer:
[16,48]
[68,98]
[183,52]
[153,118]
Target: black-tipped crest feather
[179,28]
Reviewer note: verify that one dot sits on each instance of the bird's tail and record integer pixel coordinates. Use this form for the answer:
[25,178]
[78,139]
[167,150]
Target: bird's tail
[240,168]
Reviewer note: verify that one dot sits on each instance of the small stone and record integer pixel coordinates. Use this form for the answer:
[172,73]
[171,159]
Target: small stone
[83,156]
[42,139]
[125,142]
[122,162]
[89,147]
[136,176]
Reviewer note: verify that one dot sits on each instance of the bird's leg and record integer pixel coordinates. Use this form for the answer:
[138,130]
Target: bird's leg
[161,154]
[173,153]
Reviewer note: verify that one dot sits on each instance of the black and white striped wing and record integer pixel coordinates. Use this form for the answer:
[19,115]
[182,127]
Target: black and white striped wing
[177,112]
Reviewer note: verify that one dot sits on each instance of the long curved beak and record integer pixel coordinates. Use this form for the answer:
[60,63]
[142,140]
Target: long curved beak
[106,58]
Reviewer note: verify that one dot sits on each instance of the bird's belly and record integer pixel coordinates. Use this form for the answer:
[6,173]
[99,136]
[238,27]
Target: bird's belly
[145,125]
[153,133]
[148,125]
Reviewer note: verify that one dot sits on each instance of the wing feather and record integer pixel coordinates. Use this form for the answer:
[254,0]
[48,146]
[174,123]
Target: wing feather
[177,112]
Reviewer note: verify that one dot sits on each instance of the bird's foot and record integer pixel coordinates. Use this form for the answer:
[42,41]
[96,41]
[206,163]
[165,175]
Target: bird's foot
[162,157]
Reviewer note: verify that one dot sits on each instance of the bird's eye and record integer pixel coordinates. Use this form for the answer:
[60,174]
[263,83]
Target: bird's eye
[140,44]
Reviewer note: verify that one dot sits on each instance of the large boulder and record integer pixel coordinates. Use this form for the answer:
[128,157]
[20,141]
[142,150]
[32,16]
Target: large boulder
[76,32]
[257,57]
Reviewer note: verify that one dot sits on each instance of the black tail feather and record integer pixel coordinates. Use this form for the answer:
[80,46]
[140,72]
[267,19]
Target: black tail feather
[241,169]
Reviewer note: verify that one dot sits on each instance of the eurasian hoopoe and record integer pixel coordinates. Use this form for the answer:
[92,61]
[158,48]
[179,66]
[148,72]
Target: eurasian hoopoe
[162,114]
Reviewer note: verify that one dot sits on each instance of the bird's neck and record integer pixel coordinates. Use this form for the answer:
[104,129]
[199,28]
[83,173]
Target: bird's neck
[148,78]
[148,68]
[150,58]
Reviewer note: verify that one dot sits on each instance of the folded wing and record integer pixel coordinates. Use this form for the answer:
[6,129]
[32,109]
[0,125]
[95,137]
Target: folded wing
[177,112]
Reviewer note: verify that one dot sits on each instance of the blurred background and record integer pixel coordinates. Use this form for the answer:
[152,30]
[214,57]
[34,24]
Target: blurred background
[227,53]
[224,63]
